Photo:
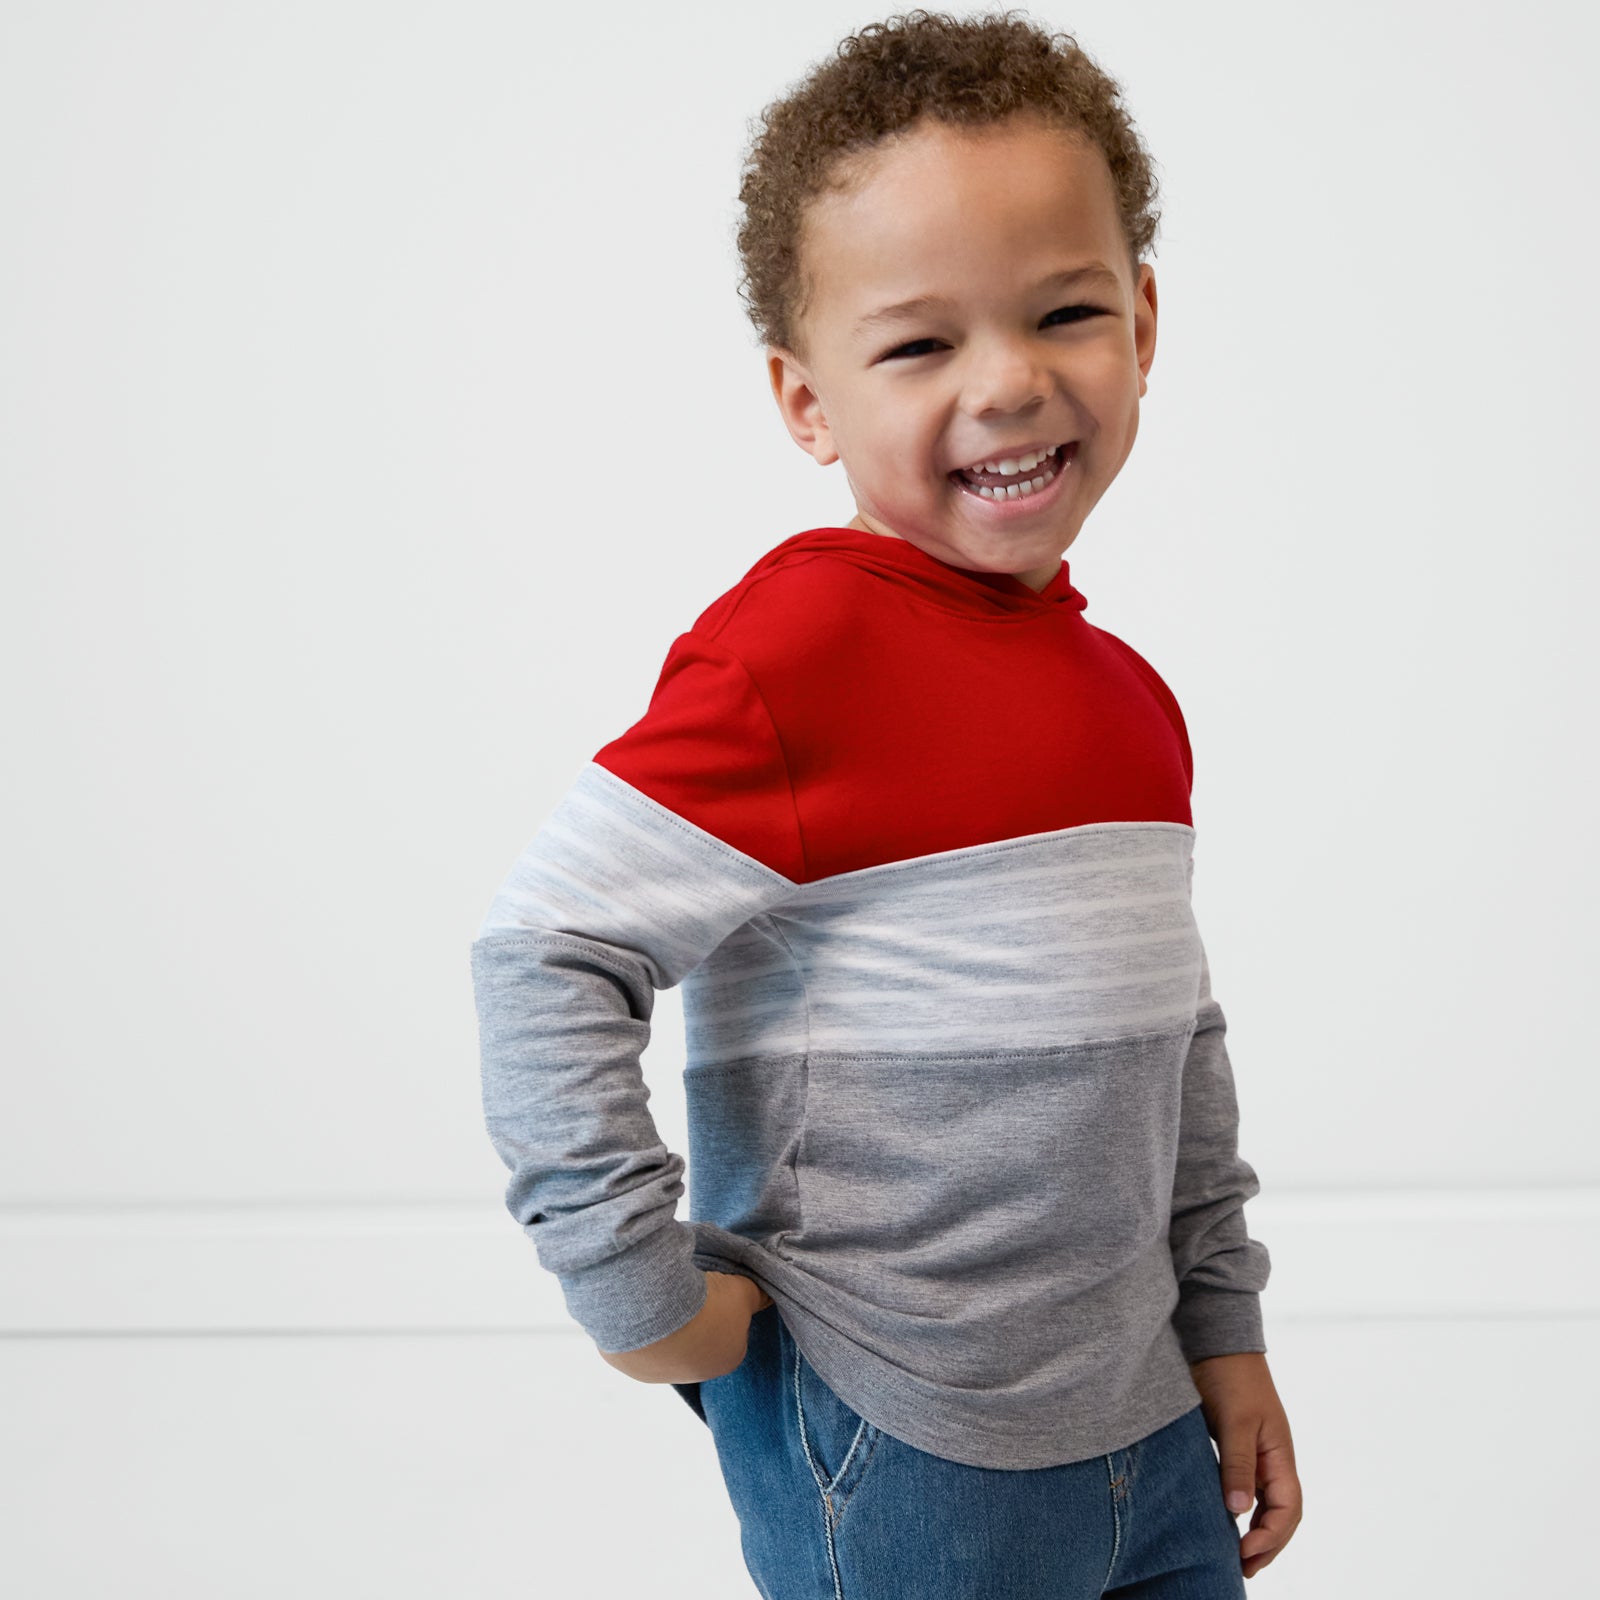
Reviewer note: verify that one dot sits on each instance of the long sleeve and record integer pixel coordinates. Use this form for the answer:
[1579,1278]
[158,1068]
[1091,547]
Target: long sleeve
[1221,1271]
[622,892]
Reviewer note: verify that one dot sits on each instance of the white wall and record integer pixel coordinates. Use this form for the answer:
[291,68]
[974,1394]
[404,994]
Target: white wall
[313,318]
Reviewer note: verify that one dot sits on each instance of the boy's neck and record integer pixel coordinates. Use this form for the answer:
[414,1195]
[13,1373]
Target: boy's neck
[1035,581]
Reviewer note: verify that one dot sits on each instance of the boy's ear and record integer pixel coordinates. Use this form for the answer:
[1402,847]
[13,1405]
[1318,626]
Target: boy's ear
[1144,324]
[800,405]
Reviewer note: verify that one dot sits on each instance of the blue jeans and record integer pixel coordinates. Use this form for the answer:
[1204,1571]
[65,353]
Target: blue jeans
[832,1508]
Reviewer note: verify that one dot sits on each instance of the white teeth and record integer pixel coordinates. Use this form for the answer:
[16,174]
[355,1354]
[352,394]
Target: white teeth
[1017,491]
[1011,466]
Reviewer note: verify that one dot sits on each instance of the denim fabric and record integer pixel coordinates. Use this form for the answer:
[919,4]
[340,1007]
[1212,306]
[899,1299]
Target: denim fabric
[829,1505]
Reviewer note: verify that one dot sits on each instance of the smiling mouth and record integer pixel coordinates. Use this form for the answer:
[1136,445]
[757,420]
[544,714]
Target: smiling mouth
[1016,486]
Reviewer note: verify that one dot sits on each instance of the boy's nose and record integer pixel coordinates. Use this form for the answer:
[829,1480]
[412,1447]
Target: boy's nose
[1003,378]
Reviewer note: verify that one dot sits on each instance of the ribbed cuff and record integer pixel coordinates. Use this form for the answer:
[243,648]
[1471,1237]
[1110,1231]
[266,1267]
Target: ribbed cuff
[1218,1322]
[642,1295]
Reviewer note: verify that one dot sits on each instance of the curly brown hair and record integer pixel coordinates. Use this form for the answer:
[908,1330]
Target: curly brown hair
[966,73]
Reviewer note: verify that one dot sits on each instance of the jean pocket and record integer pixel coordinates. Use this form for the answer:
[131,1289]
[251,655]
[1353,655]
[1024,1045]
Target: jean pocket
[839,1443]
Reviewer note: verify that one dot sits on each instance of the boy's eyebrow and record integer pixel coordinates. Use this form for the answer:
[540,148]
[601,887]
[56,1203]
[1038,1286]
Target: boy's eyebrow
[904,310]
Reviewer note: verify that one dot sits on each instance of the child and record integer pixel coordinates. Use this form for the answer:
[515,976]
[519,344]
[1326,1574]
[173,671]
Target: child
[966,1291]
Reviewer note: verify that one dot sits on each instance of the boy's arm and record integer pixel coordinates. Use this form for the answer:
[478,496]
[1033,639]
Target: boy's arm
[1221,1273]
[1220,1269]
[620,894]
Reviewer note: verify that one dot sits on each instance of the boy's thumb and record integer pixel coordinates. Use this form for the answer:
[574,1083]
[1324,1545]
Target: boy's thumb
[1238,1457]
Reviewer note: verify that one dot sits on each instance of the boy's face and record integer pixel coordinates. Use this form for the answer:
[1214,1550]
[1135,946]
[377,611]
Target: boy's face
[980,220]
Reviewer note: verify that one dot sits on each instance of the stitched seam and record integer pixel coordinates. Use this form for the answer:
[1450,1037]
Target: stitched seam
[1028,1053]
[864,1430]
[777,737]
[741,1064]
[1116,1522]
[1025,842]
[805,1068]
[827,1515]
[735,855]
[839,1475]
[872,1436]
[1042,1052]
[800,1414]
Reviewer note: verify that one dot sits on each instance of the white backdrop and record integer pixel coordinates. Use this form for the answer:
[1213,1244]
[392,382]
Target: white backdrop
[377,407]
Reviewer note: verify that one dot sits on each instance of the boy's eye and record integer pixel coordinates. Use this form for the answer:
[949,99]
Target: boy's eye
[909,349]
[914,348]
[1093,311]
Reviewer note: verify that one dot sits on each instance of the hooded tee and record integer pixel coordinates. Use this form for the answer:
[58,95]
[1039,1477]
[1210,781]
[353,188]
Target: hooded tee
[916,841]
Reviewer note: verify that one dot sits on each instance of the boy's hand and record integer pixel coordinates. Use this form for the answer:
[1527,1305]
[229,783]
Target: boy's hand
[1246,1418]
[709,1345]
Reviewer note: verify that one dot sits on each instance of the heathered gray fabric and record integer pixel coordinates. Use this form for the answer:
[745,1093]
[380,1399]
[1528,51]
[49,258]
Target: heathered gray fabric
[968,1119]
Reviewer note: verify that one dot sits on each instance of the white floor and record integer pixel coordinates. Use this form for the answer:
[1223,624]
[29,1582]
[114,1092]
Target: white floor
[1440,1459]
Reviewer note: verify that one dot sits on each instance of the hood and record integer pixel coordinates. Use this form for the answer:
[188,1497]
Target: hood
[908,566]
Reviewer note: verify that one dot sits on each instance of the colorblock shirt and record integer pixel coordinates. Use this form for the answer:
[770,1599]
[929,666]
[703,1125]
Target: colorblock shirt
[916,841]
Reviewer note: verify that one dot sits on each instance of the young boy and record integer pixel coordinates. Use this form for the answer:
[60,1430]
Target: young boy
[967,1292]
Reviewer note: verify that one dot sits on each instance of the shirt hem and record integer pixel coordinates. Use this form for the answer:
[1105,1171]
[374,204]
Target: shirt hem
[901,1405]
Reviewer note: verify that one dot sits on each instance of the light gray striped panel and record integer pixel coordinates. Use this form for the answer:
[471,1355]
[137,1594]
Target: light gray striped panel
[1054,939]
[612,866]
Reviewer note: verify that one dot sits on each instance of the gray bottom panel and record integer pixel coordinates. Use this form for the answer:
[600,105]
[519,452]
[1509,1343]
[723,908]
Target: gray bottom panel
[1080,1379]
